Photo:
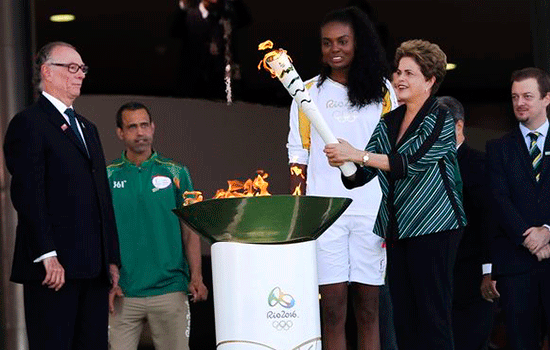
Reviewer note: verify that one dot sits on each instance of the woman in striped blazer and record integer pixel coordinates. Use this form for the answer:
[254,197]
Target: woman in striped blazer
[413,152]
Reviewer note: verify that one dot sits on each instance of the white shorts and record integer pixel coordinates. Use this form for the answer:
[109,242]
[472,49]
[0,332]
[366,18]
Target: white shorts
[348,251]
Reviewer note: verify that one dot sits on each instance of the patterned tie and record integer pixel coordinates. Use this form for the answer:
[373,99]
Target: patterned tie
[534,152]
[72,120]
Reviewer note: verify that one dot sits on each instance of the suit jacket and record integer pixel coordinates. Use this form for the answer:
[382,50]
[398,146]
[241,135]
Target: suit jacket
[422,192]
[61,195]
[520,202]
[473,250]
[476,200]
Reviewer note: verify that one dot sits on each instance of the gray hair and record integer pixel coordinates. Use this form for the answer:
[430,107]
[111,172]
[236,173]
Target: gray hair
[42,56]
[454,106]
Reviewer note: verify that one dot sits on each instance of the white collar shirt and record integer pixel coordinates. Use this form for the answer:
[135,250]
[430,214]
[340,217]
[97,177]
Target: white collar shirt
[60,106]
[543,132]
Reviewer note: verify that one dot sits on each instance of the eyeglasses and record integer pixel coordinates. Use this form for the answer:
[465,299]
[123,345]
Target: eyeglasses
[72,67]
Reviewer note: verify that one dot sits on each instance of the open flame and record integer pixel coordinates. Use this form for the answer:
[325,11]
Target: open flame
[249,188]
[190,197]
[235,188]
[266,45]
[297,190]
[296,171]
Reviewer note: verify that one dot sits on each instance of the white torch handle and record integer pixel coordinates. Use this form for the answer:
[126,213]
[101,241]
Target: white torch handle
[295,86]
[316,118]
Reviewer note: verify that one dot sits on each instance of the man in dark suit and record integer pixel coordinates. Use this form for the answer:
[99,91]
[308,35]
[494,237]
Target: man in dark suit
[472,311]
[66,248]
[519,170]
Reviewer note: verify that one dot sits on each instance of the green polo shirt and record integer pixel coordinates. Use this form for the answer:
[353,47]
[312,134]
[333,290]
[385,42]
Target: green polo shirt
[151,248]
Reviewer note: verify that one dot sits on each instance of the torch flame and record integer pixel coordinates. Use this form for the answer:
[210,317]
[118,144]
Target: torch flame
[268,44]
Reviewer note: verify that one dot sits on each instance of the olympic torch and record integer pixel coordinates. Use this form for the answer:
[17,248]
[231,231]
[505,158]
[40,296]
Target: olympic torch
[278,63]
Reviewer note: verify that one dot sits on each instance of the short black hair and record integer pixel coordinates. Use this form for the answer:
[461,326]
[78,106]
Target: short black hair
[454,106]
[130,106]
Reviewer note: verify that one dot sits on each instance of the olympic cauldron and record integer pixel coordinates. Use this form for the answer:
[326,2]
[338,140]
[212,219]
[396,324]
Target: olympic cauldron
[264,267]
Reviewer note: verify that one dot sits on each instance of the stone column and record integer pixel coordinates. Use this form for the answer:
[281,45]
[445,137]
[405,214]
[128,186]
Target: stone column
[16,47]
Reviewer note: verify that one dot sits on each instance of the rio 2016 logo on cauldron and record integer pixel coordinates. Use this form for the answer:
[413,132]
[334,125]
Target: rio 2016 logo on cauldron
[277,297]
[282,319]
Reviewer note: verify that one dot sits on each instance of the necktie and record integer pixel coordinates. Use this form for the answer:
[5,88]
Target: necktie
[534,152]
[72,120]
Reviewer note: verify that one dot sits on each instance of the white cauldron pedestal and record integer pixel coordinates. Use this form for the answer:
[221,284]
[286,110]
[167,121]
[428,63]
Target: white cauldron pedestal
[266,296]
[264,267]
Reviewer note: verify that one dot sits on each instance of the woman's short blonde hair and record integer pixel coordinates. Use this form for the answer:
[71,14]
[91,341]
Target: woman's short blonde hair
[431,59]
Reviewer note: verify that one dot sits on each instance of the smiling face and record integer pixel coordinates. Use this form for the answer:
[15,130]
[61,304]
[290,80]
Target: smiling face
[57,80]
[529,105]
[338,48]
[137,133]
[410,84]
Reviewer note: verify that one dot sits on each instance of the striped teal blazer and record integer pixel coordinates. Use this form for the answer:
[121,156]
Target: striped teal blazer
[422,193]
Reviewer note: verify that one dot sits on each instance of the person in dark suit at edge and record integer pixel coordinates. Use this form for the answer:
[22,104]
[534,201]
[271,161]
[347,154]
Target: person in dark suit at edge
[66,250]
[472,310]
[519,171]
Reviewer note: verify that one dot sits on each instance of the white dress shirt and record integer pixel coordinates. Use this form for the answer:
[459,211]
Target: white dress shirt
[542,130]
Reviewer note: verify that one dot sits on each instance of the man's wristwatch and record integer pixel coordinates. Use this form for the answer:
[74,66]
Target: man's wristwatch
[365,159]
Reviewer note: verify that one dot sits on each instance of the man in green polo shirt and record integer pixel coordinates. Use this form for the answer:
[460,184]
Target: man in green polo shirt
[160,256]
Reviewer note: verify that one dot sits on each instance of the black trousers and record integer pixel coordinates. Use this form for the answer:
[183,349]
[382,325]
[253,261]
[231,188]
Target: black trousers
[472,325]
[525,300]
[75,317]
[472,315]
[420,275]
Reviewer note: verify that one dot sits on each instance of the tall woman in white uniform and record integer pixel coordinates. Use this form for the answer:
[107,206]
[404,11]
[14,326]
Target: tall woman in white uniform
[352,92]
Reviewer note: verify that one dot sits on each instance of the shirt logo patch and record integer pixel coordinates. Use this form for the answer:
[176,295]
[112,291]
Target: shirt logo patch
[343,117]
[161,182]
[119,184]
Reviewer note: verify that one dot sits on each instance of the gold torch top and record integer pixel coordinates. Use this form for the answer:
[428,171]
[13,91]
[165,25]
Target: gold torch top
[270,56]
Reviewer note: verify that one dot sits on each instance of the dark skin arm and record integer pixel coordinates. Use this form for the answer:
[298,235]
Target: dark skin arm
[192,246]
